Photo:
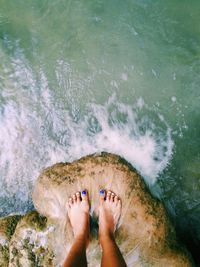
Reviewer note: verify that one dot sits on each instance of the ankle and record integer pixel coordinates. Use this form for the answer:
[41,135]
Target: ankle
[106,237]
[82,238]
[83,233]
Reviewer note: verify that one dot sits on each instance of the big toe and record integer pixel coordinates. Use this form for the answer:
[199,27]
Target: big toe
[84,195]
[102,195]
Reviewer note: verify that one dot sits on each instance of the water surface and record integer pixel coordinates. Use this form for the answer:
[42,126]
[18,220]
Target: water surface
[78,77]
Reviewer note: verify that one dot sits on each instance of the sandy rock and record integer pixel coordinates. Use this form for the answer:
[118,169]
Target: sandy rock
[145,235]
[7,228]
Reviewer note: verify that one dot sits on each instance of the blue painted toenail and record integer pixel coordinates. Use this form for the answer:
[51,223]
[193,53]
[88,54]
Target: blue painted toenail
[102,192]
[84,192]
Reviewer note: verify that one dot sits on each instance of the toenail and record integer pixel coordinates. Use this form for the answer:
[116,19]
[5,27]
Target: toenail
[77,193]
[109,192]
[102,192]
[112,194]
[84,192]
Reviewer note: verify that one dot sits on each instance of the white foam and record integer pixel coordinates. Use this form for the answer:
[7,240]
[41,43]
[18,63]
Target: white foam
[34,134]
[37,238]
[4,241]
[124,76]
[173,98]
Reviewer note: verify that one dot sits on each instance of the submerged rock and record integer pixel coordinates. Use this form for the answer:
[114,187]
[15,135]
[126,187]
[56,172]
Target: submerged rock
[145,235]
[7,228]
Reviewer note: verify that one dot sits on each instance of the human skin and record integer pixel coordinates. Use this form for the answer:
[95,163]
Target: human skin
[109,213]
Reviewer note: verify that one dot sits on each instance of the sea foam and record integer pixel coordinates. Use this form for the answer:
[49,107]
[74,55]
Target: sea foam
[36,134]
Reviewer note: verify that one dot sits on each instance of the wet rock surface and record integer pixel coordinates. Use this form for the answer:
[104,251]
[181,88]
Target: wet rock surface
[43,238]
[29,245]
[145,234]
[7,228]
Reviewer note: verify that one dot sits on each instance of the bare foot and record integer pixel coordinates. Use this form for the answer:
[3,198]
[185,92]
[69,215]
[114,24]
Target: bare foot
[109,214]
[78,211]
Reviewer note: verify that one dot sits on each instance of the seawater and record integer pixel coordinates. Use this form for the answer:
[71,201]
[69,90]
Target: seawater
[80,77]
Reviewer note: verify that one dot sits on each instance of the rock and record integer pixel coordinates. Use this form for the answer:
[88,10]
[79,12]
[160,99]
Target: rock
[29,245]
[145,235]
[7,228]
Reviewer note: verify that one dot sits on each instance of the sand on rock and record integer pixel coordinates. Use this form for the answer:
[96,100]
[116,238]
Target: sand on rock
[145,235]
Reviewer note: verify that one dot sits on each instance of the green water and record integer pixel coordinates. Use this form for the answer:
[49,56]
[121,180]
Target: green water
[78,77]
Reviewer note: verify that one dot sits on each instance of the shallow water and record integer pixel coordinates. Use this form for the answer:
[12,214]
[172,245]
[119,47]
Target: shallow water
[78,77]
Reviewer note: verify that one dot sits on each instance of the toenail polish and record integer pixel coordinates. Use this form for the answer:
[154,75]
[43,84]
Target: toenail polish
[84,192]
[102,192]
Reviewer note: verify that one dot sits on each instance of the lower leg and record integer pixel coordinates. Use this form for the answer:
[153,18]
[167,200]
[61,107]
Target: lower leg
[77,254]
[78,212]
[111,253]
[109,214]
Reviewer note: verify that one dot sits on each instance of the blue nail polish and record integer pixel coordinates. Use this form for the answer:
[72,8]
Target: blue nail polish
[102,192]
[84,192]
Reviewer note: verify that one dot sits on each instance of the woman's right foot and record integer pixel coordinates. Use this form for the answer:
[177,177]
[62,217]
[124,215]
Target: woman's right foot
[109,214]
[78,211]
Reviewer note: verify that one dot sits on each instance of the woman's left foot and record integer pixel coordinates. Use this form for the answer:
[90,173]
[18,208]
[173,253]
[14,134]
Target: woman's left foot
[78,211]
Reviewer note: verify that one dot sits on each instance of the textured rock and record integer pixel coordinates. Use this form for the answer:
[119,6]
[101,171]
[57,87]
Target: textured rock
[7,228]
[145,234]
[29,245]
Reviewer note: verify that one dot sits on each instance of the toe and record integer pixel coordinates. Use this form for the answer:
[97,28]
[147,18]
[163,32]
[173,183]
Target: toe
[116,199]
[78,197]
[74,198]
[108,196]
[102,195]
[112,197]
[84,195]
[119,203]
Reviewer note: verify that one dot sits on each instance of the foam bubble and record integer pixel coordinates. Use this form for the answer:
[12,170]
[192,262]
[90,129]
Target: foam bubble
[173,98]
[124,76]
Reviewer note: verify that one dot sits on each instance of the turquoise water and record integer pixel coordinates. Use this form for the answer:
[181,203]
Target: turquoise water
[79,77]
